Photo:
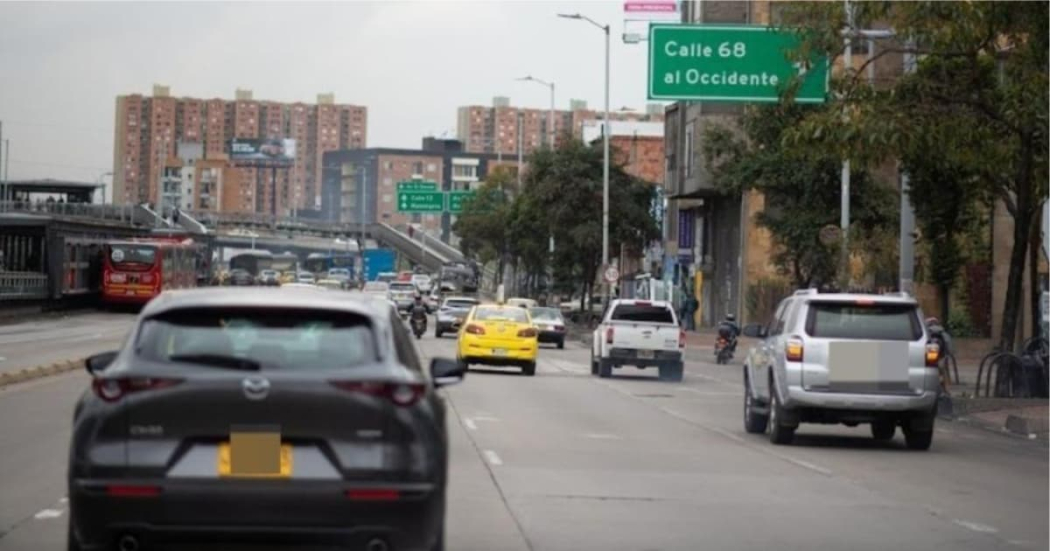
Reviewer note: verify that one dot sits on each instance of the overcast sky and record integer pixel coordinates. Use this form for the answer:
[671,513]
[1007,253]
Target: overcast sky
[410,63]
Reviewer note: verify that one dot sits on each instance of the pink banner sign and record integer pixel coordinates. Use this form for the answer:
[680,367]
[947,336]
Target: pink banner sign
[650,7]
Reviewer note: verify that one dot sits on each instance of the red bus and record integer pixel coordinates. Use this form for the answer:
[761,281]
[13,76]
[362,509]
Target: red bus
[135,271]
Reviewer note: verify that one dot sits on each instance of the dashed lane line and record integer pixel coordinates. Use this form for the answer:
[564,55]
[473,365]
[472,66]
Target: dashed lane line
[492,458]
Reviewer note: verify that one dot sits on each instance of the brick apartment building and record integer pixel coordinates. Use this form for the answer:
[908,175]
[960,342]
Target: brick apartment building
[494,129]
[173,151]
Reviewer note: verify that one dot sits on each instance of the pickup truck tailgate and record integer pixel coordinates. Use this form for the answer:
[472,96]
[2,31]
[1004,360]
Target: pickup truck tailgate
[642,336]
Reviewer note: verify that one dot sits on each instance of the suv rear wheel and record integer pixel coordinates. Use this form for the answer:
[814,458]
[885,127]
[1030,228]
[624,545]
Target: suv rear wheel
[779,433]
[755,423]
[883,430]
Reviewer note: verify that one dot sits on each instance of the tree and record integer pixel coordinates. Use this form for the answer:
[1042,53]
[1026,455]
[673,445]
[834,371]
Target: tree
[982,71]
[481,225]
[801,189]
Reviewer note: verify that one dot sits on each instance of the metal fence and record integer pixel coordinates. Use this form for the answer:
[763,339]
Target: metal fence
[22,286]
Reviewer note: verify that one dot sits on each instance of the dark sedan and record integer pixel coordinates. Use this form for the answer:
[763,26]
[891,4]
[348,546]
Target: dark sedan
[550,324]
[261,416]
[240,278]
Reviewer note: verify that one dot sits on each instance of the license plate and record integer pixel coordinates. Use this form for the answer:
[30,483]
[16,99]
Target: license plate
[646,354]
[499,351]
[255,455]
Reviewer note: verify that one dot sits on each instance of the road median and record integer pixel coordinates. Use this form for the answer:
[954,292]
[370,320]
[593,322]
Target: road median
[40,371]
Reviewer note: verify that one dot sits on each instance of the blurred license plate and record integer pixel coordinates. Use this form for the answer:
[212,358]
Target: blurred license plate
[499,351]
[258,455]
[647,354]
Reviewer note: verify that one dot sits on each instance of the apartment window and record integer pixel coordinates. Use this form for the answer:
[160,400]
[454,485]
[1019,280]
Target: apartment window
[387,198]
[417,168]
[431,167]
[688,149]
[387,181]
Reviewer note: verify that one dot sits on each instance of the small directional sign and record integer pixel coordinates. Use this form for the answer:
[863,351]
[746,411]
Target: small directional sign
[416,185]
[455,200]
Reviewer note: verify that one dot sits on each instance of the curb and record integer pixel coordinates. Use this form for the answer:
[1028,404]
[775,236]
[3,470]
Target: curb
[39,372]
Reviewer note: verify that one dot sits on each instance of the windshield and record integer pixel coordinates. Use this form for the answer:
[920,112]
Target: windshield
[133,254]
[275,339]
[516,315]
[547,314]
[268,273]
[460,304]
[643,313]
[402,287]
[849,320]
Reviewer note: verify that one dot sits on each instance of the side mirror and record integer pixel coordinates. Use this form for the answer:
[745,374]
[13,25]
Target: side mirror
[446,372]
[99,362]
[754,330]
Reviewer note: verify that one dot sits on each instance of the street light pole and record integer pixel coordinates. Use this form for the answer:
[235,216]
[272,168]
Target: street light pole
[605,146]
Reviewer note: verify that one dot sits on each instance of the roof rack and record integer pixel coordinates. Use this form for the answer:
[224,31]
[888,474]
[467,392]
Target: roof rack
[810,291]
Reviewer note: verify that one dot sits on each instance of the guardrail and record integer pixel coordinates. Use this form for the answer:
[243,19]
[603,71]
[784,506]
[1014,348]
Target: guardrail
[22,286]
[419,252]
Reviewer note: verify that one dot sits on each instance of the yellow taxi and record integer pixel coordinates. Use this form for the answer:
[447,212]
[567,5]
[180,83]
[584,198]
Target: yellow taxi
[287,277]
[497,334]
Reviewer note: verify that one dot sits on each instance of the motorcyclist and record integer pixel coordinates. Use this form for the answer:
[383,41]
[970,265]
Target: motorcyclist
[729,330]
[419,312]
[940,334]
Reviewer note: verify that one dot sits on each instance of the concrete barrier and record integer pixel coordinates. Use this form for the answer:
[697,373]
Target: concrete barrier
[30,373]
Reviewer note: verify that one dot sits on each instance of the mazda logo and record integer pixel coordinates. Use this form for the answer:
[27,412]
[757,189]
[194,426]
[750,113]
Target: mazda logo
[255,389]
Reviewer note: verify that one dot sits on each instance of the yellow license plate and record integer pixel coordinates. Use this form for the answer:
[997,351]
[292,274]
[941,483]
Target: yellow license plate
[499,351]
[255,455]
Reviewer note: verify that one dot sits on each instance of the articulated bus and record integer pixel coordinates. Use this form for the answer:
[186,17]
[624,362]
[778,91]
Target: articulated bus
[135,271]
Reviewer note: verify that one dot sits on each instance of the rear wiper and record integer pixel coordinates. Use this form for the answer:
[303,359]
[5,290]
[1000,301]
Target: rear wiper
[219,360]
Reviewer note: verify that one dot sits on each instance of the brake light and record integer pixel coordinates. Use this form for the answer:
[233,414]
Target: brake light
[528,333]
[793,350]
[933,354]
[401,394]
[681,338]
[609,336]
[475,329]
[132,491]
[373,494]
[113,389]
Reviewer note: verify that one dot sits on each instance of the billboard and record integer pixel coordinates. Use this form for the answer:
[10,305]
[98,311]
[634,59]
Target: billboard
[262,152]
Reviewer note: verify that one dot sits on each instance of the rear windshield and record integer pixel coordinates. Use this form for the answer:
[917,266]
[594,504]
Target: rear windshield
[460,304]
[402,287]
[271,338]
[545,314]
[849,320]
[511,313]
[643,313]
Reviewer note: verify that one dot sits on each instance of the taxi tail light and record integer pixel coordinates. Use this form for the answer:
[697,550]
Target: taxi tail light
[530,332]
[400,394]
[126,490]
[113,389]
[373,494]
[475,329]
[793,350]
[933,354]
[609,333]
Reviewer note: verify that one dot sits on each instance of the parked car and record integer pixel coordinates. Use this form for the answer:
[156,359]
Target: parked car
[451,313]
[286,375]
[641,333]
[499,335]
[550,323]
[843,358]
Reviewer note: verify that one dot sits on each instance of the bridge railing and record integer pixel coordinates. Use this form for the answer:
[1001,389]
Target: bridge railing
[112,213]
[23,286]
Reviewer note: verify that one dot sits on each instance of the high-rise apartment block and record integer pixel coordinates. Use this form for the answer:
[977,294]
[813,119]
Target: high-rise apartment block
[495,129]
[159,138]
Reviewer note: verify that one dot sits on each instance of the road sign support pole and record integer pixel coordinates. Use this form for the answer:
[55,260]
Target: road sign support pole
[605,170]
[844,269]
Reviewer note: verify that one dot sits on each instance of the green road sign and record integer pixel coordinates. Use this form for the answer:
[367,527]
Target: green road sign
[455,200]
[420,201]
[416,185]
[729,63]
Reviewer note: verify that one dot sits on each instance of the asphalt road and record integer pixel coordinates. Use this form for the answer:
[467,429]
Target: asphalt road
[565,461]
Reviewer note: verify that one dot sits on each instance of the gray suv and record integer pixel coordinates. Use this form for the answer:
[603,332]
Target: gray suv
[843,358]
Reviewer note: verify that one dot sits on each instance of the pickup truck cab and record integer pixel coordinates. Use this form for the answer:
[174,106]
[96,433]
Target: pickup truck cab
[641,333]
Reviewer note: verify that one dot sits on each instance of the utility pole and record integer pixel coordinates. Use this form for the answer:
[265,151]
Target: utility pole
[906,262]
[844,269]
[605,174]
[364,201]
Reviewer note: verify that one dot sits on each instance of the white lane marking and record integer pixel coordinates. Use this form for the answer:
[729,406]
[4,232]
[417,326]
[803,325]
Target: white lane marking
[603,436]
[713,379]
[48,513]
[1019,543]
[485,418]
[975,526]
[2,358]
[469,423]
[492,458]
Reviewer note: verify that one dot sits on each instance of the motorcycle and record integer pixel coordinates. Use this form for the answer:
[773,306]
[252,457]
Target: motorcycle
[725,345]
[419,326]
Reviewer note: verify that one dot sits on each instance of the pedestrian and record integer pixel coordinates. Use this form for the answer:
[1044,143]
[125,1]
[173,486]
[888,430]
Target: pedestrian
[690,307]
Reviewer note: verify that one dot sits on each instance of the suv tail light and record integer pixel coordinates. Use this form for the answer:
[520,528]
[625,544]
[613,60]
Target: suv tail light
[113,389]
[530,332]
[933,354]
[609,336]
[793,350]
[475,329]
[401,394]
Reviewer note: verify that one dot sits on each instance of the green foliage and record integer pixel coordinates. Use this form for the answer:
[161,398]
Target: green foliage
[762,298]
[801,187]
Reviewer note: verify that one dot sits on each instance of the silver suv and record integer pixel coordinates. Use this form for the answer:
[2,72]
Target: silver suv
[843,358]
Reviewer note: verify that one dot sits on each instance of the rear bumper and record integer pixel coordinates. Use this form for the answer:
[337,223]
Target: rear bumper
[448,326]
[552,336]
[627,356]
[473,349]
[798,397]
[210,511]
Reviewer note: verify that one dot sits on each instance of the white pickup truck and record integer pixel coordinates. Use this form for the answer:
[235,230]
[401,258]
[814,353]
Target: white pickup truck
[641,333]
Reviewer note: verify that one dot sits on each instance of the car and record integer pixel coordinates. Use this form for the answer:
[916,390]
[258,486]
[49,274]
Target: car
[257,415]
[331,284]
[269,278]
[240,277]
[451,313]
[550,323]
[339,274]
[423,282]
[287,277]
[305,277]
[641,333]
[404,275]
[847,358]
[522,302]
[498,335]
[377,288]
[302,286]
[386,277]
[404,294]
